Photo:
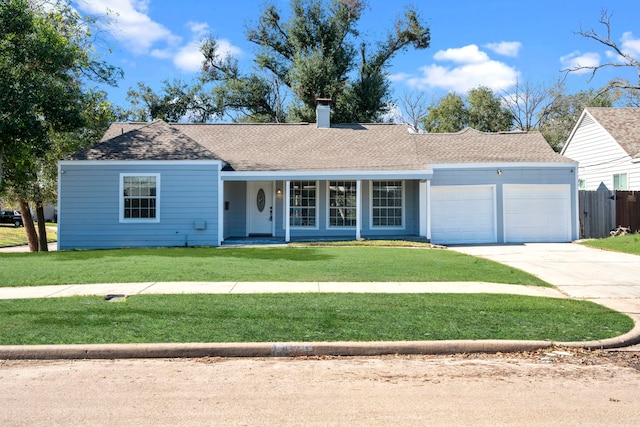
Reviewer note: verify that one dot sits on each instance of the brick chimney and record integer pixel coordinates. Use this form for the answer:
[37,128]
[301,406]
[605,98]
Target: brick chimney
[323,113]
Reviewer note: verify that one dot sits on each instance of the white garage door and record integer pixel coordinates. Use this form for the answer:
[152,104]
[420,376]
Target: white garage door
[537,213]
[463,214]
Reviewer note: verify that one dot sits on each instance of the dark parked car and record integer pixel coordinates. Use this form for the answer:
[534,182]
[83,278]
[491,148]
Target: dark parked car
[11,217]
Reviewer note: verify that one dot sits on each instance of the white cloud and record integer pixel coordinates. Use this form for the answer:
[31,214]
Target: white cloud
[630,45]
[399,77]
[132,26]
[472,68]
[189,58]
[577,59]
[463,55]
[505,48]
[493,74]
[135,29]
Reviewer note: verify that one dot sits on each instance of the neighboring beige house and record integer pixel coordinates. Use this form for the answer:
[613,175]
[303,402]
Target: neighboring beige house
[606,143]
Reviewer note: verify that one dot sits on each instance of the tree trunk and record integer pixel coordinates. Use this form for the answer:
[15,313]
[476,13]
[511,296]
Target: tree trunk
[29,228]
[42,228]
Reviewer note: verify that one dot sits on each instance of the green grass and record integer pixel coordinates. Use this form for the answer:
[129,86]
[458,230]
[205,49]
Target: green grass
[629,243]
[281,264]
[304,317]
[14,236]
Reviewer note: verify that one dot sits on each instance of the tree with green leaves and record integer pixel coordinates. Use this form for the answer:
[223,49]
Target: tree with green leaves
[446,115]
[177,101]
[481,109]
[46,60]
[318,53]
[562,114]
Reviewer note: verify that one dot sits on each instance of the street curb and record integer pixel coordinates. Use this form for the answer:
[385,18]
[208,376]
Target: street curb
[296,349]
[264,349]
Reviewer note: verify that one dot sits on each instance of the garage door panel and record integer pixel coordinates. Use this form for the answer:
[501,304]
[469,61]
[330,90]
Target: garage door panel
[537,213]
[463,214]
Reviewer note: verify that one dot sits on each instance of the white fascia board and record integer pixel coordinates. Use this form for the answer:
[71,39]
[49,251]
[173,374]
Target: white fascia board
[324,175]
[219,163]
[503,165]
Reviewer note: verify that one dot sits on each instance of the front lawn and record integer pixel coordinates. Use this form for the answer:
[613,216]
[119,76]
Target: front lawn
[629,243]
[260,264]
[304,317]
[14,236]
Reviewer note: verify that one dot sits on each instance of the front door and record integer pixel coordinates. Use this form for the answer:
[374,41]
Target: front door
[260,208]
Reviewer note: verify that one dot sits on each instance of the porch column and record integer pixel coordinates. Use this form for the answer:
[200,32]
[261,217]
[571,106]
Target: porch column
[220,210]
[287,198]
[358,208]
[428,197]
[422,207]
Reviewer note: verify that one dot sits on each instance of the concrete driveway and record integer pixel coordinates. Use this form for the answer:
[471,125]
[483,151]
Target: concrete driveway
[608,278]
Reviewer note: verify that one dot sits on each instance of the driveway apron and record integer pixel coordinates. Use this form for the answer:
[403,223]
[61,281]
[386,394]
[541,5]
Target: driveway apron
[608,278]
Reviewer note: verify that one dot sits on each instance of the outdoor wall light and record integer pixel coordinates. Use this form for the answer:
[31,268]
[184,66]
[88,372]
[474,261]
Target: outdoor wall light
[499,171]
[279,191]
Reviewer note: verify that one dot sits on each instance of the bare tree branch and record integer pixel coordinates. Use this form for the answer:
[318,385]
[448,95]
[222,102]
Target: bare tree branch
[415,107]
[626,60]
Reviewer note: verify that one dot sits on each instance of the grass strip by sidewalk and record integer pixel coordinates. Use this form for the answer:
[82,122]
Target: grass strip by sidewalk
[629,243]
[265,264]
[304,317]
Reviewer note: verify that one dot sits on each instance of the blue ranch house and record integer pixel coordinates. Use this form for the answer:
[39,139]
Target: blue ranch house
[158,184]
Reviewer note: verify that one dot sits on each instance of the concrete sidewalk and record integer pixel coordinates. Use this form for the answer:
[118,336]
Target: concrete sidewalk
[55,291]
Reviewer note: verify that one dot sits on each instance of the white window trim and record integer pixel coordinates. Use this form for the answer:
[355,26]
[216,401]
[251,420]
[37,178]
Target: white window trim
[584,183]
[613,179]
[371,207]
[124,220]
[317,207]
[328,210]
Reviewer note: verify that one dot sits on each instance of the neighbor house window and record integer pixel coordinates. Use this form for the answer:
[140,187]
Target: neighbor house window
[582,184]
[620,182]
[303,203]
[387,203]
[342,203]
[139,197]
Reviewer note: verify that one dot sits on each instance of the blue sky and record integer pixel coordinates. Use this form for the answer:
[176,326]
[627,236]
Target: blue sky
[492,43]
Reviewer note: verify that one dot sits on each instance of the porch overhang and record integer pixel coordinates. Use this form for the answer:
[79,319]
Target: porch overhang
[423,176]
[420,175]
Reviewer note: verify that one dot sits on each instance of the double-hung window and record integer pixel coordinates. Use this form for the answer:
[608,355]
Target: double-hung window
[620,182]
[303,203]
[387,204]
[139,197]
[342,203]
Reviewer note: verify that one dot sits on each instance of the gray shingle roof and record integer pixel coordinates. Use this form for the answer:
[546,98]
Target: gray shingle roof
[623,124]
[304,147]
[148,141]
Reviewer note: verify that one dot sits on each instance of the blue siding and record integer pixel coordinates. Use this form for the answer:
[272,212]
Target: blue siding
[235,218]
[511,175]
[89,206]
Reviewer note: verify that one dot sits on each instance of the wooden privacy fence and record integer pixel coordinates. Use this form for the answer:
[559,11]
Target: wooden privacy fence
[628,210]
[597,213]
[602,211]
